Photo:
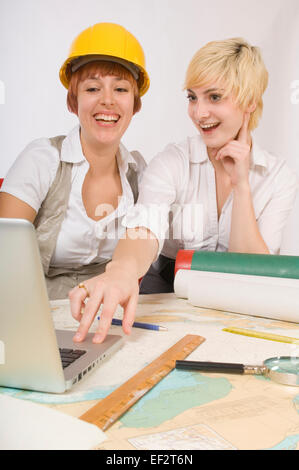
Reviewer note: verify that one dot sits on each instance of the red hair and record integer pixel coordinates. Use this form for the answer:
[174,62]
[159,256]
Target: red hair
[104,68]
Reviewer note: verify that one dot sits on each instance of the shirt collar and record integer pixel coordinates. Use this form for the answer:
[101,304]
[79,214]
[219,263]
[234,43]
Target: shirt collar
[71,151]
[197,149]
[125,159]
[258,156]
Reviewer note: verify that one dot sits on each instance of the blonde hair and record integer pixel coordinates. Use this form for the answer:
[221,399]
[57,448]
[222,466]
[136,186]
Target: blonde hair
[238,66]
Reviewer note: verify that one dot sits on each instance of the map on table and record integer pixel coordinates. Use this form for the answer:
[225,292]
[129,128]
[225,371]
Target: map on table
[188,403]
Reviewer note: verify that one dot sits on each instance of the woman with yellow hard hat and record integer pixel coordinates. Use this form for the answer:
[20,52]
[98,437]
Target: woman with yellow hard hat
[77,188]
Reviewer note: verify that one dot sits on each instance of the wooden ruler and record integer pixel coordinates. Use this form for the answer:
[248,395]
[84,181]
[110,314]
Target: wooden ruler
[262,335]
[111,408]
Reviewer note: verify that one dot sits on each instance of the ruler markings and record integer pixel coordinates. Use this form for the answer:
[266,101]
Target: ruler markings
[111,408]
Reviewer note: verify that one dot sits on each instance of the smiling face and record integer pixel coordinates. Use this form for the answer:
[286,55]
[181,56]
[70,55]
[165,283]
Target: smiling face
[104,95]
[217,116]
[105,108]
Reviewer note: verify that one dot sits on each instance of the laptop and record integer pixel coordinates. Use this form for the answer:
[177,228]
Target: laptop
[34,355]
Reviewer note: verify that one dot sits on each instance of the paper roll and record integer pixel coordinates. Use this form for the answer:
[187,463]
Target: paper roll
[239,263]
[261,296]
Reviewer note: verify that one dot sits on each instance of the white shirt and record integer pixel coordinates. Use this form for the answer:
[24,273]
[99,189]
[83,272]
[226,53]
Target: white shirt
[181,180]
[81,239]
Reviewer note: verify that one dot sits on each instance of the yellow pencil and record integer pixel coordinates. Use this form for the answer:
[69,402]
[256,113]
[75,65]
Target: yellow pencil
[262,335]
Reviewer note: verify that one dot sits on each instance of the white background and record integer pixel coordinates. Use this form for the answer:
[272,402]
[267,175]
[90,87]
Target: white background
[35,36]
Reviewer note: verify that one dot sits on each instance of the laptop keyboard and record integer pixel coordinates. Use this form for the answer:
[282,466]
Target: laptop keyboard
[68,356]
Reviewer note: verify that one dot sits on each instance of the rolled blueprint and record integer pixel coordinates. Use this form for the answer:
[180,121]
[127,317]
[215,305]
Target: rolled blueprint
[281,266]
[261,296]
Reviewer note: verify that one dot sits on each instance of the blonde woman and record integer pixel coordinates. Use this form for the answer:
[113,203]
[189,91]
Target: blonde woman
[237,195]
[77,188]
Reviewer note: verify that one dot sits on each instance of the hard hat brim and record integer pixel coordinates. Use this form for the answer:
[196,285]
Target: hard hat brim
[72,64]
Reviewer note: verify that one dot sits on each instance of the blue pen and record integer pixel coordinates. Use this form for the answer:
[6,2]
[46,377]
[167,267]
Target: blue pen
[145,326]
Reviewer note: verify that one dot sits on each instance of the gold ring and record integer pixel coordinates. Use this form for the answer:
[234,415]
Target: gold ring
[82,286]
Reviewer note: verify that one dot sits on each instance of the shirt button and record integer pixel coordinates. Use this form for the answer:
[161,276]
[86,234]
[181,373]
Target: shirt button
[99,231]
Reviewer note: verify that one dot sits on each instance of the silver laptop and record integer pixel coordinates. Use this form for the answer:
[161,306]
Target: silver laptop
[33,355]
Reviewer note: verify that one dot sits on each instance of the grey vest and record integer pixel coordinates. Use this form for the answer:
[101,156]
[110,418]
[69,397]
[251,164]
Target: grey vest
[52,213]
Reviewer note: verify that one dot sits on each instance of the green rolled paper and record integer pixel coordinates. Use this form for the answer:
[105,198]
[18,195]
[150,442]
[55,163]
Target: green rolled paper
[239,263]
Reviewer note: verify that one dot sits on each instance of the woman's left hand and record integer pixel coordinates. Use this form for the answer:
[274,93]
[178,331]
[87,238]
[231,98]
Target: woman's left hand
[235,155]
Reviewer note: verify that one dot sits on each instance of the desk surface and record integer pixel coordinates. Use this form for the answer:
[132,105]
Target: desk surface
[189,410]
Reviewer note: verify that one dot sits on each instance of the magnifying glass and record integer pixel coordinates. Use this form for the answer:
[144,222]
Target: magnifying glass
[283,369]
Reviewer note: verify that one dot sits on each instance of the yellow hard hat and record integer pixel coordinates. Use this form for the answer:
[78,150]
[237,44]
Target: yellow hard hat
[106,41]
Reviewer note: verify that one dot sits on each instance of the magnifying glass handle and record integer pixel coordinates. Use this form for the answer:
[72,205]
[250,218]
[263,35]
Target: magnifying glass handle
[222,367]
[255,370]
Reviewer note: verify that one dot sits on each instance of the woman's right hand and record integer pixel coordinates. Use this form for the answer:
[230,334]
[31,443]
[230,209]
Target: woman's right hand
[117,286]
